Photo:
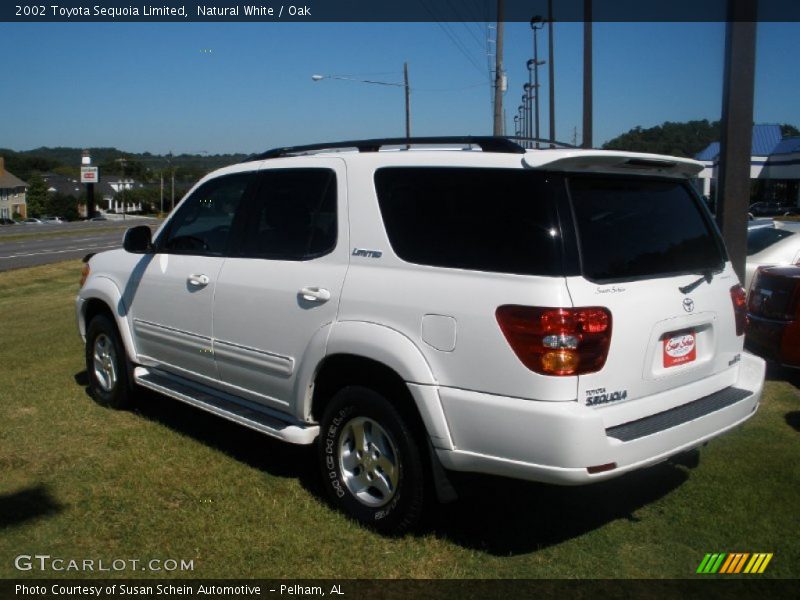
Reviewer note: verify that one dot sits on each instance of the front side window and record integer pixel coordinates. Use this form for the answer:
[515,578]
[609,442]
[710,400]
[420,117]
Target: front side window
[293,215]
[202,224]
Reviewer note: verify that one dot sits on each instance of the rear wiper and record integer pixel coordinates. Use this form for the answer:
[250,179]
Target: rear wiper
[707,277]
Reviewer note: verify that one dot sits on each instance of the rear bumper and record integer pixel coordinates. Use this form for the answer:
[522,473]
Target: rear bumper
[556,442]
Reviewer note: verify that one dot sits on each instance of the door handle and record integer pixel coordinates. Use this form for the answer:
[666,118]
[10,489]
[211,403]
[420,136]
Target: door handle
[199,280]
[315,294]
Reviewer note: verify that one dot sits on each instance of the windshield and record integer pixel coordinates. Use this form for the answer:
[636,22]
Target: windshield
[764,237]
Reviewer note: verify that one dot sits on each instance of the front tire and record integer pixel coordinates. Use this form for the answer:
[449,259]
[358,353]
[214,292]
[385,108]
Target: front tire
[107,364]
[371,464]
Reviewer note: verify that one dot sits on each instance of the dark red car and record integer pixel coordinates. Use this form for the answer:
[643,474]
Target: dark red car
[773,315]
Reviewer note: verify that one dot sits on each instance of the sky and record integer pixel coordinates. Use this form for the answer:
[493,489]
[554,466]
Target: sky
[245,87]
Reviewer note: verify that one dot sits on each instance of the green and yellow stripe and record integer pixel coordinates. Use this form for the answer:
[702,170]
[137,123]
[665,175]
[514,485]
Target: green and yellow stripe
[734,562]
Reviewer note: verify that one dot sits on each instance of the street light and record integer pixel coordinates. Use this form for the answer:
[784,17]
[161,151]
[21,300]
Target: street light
[402,85]
[529,94]
[551,72]
[536,24]
[525,115]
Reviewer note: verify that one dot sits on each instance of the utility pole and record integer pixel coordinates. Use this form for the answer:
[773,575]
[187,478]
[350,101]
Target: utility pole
[733,188]
[587,73]
[551,71]
[172,173]
[536,25]
[408,101]
[498,73]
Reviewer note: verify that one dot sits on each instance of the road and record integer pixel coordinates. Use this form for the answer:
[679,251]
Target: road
[31,245]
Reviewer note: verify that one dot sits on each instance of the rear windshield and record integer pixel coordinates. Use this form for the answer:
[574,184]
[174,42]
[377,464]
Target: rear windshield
[632,228]
[764,237]
[500,220]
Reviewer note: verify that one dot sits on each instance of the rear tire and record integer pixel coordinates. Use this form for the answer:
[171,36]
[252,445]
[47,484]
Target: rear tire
[371,463]
[107,364]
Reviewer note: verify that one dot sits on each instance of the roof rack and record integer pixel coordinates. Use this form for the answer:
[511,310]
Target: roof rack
[485,143]
[523,139]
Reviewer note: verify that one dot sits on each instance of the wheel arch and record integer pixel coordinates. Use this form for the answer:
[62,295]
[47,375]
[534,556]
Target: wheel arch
[102,296]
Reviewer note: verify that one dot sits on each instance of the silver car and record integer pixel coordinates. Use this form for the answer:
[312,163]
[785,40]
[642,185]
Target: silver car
[776,245]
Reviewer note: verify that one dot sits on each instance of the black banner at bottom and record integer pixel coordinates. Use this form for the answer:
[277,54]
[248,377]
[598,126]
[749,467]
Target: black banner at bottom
[463,589]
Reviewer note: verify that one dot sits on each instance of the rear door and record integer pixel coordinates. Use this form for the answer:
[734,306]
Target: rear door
[652,256]
[281,286]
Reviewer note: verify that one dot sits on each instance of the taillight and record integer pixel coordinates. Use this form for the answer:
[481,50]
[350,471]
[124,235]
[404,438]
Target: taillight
[84,273]
[739,299]
[557,341]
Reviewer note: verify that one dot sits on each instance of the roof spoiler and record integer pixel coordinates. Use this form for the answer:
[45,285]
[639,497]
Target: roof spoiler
[607,161]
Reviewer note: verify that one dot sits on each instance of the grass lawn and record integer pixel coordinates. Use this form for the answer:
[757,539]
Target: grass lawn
[166,481]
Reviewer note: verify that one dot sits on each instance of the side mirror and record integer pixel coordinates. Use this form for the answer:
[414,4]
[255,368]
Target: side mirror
[137,240]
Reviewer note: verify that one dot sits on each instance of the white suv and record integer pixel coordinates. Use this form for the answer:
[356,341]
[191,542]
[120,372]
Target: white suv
[555,315]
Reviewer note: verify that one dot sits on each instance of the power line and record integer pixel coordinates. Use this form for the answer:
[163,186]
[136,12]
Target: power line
[453,38]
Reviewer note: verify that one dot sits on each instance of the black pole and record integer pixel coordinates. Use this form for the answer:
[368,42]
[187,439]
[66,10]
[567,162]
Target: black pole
[526,115]
[587,73]
[89,200]
[536,82]
[551,71]
[528,91]
[408,101]
[737,129]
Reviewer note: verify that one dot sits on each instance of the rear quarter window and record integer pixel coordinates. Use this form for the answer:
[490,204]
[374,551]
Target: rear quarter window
[497,220]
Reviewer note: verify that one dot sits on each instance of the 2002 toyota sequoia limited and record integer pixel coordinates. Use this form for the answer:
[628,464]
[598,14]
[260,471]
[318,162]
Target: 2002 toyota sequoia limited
[456,304]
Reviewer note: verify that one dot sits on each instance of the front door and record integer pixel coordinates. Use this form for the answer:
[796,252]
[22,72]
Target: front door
[172,303]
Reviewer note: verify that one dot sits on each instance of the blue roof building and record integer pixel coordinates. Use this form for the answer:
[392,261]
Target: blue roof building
[774,164]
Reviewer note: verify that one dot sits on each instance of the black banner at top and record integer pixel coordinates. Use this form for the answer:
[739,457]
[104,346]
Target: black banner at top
[392,10]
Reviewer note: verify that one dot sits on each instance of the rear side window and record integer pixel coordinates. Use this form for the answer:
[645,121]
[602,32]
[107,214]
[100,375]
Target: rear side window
[499,220]
[764,237]
[631,228]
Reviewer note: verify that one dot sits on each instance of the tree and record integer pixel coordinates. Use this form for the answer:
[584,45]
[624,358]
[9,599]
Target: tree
[61,205]
[36,198]
[676,139]
[789,130]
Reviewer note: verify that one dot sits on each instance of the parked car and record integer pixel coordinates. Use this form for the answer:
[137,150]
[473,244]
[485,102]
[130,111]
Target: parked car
[100,218]
[53,220]
[776,245]
[773,315]
[33,221]
[564,316]
[5,221]
[772,209]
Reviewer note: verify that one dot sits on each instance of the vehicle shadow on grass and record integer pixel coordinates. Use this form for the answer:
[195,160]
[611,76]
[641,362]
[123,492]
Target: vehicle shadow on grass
[793,419]
[776,372]
[250,447]
[26,505]
[515,517]
[507,517]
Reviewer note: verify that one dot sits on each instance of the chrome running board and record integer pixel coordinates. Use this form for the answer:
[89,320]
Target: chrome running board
[233,408]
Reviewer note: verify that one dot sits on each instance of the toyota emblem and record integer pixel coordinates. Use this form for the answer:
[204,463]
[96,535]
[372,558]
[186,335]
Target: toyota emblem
[688,304]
